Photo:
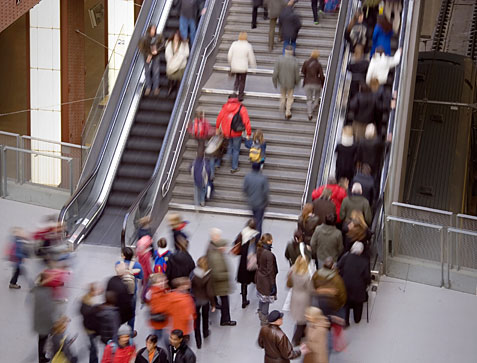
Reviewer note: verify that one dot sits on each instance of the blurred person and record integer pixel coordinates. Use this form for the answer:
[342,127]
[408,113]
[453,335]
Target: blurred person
[177,228]
[338,193]
[356,31]
[356,201]
[327,241]
[330,290]
[255,188]
[317,333]
[201,174]
[274,9]
[356,230]
[265,277]
[124,351]
[150,45]
[107,319]
[299,280]
[346,155]
[323,206]
[307,223]
[291,25]
[371,150]
[201,130]
[358,66]
[286,74]
[181,306]
[380,64]
[331,6]
[161,256]
[355,270]
[188,14]
[220,274]
[293,249]
[144,255]
[258,148]
[317,5]
[392,12]
[177,349]
[180,263]
[158,300]
[240,57]
[231,110]
[144,229]
[88,311]
[45,312]
[257,4]
[362,110]
[18,251]
[61,344]
[55,276]
[382,35]
[151,353]
[203,293]
[245,243]
[122,297]
[177,52]
[364,177]
[274,341]
[313,82]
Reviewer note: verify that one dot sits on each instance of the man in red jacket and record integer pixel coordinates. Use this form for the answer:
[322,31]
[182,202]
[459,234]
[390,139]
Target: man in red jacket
[224,122]
[338,193]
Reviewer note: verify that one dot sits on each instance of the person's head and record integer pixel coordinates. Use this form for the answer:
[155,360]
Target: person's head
[384,24]
[266,239]
[288,50]
[359,15]
[159,280]
[291,3]
[344,183]
[330,219]
[181,244]
[182,283]
[59,327]
[326,194]
[162,243]
[357,248]
[251,223]
[307,210]
[232,96]
[124,333]
[301,265]
[94,289]
[215,234]
[275,318]
[365,169]
[151,342]
[331,180]
[202,263]
[256,167]
[243,36]
[297,236]
[151,30]
[177,36]
[127,253]
[144,222]
[347,136]
[258,136]
[313,314]
[357,189]
[176,338]
[328,263]
[374,84]
[315,54]
[358,52]
[370,132]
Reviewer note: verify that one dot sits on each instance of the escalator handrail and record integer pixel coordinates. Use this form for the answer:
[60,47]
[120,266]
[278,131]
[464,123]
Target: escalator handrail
[177,111]
[114,119]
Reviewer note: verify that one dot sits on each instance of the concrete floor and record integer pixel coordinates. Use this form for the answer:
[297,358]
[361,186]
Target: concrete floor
[409,322]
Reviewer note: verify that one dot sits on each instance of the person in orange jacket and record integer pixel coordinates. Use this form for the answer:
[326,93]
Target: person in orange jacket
[181,307]
[158,299]
[234,136]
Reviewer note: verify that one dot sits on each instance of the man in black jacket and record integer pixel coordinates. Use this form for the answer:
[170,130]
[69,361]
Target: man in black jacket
[290,25]
[180,263]
[177,349]
[88,311]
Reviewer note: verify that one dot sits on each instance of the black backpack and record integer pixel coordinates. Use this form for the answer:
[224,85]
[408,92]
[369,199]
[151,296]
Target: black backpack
[237,123]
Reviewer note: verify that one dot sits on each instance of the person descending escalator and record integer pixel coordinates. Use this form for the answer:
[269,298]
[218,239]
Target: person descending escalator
[151,45]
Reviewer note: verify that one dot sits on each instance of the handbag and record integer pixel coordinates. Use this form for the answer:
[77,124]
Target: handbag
[158,317]
[60,357]
[252,261]
[214,144]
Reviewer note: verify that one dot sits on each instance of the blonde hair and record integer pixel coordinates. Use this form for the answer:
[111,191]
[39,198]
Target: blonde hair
[313,314]
[258,136]
[202,263]
[300,266]
[243,36]
[315,53]
[307,209]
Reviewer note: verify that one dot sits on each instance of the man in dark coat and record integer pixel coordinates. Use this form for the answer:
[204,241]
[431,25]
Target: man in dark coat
[123,298]
[358,68]
[323,206]
[180,263]
[364,178]
[177,349]
[277,346]
[362,110]
[257,4]
[291,24]
[313,81]
[255,187]
[355,270]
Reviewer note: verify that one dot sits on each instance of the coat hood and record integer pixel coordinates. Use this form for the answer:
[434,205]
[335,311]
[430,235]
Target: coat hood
[247,234]
[201,273]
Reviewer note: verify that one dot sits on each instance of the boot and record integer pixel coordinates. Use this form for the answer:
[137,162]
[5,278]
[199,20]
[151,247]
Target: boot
[245,302]
[263,319]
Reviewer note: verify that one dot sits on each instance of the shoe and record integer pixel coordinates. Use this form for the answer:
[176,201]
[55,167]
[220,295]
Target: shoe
[229,323]
[265,17]
[233,171]
[317,22]
[202,204]
[148,90]
[199,345]
[14,286]
[134,334]
[254,26]
[156,91]
[245,304]
[310,117]
[206,334]
[288,116]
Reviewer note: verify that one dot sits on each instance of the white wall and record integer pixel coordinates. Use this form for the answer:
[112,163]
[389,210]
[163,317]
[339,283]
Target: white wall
[45,89]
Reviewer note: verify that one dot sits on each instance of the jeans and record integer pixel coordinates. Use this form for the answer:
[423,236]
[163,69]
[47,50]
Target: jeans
[263,307]
[199,195]
[239,85]
[16,273]
[312,92]
[224,310]
[204,309]
[214,163]
[133,319]
[258,217]
[286,100]
[41,348]
[187,27]
[152,73]
[234,150]
[287,42]
[93,350]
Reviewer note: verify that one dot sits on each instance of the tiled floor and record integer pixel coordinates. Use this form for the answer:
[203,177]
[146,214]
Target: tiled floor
[409,322]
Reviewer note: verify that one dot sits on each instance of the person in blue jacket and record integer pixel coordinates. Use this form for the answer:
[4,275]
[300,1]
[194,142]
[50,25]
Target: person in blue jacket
[17,253]
[383,32]
[257,147]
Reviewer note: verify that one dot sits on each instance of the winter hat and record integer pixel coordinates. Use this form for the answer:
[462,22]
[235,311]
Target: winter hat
[357,189]
[370,131]
[274,316]
[347,136]
[124,330]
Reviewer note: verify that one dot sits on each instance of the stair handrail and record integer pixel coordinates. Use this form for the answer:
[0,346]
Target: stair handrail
[157,178]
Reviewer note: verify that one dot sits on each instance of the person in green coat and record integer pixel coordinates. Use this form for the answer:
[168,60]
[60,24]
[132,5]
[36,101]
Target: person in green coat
[220,274]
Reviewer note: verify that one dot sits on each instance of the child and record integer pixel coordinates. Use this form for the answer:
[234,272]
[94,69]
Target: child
[161,256]
[55,277]
[257,146]
[124,351]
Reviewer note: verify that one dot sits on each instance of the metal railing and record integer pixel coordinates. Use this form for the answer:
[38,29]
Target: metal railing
[167,163]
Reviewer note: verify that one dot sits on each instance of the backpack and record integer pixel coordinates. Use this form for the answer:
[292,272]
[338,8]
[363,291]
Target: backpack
[237,123]
[128,278]
[255,153]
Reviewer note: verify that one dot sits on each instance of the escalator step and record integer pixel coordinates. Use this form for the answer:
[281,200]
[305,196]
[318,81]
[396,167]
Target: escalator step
[128,185]
[139,157]
[148,130]
[141,143]
[135,171]
[119,199]
[156,104]
[153,118]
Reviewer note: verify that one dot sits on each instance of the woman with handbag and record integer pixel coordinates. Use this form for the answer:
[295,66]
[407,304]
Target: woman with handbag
[158,304]
[245,247]
[177,52]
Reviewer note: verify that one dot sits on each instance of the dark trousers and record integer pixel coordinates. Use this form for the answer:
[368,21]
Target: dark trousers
[239,85]
[315,6]
[16,273]
[299,334]
[204,309]
[152,72]
[224,310]
[357,311]
[243,288]
[258,216]
[41,348]
[93,350]
[254,14]
[133,319]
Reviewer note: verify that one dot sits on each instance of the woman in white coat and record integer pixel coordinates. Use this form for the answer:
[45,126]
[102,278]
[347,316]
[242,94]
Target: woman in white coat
[240,58]
[177,52]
